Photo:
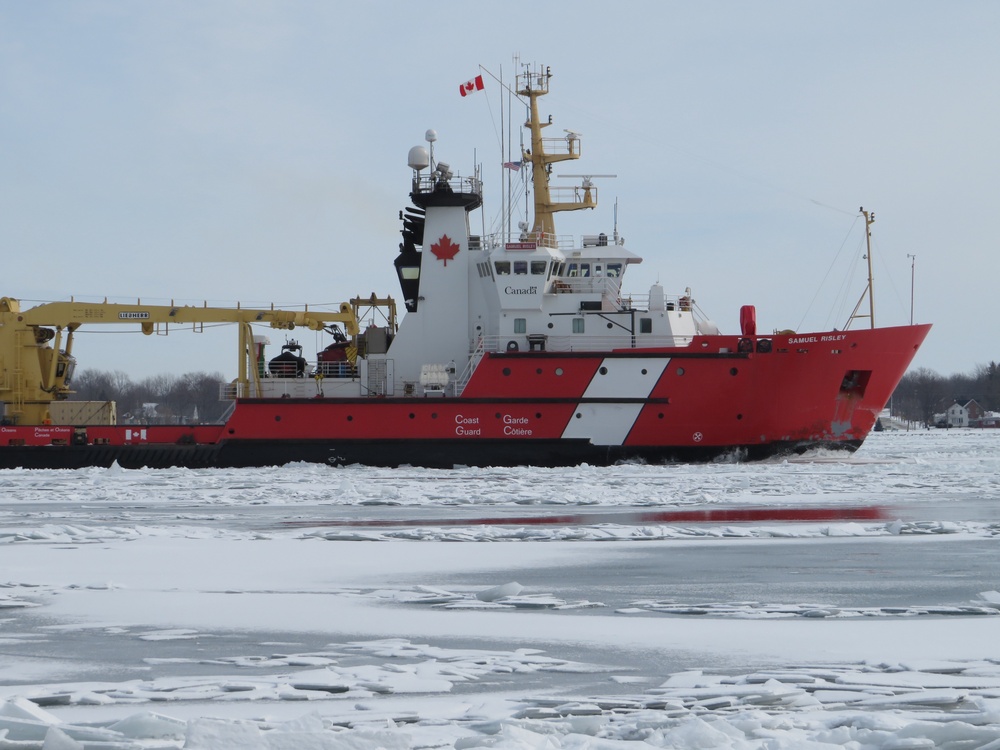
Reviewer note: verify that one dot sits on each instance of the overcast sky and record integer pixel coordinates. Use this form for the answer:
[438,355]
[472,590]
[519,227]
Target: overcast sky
[256,152]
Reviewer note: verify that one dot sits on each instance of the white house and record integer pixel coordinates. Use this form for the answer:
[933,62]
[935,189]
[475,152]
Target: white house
[957,415]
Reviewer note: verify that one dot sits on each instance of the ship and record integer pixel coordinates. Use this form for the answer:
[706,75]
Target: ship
[518,349]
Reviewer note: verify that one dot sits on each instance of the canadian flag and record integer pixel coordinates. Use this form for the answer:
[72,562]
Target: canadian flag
[476,84]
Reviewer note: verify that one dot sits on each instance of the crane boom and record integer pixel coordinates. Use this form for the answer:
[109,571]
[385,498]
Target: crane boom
[74,314]
[35,372]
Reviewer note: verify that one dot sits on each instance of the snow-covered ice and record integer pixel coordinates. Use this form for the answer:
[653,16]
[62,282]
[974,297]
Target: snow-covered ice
[313,607]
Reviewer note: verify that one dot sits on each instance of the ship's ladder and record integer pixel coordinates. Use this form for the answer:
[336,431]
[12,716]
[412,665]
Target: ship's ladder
[17,405]
[475,358]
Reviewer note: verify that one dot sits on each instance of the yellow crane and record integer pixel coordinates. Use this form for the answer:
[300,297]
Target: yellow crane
[36,368]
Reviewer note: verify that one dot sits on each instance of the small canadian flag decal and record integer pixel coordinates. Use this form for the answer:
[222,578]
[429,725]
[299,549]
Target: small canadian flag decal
[444,249]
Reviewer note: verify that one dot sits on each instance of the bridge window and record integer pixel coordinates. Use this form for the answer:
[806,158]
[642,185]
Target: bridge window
[503,267]
[520,267]
[538,267]
[614,270]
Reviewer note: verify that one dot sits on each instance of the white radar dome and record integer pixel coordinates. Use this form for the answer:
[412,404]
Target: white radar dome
[418,158]
[430,136]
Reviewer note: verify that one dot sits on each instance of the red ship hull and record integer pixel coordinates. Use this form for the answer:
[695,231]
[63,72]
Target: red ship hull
[721,395]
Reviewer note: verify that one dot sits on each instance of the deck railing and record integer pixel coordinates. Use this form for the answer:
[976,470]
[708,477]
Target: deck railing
[334,371]
[576,343]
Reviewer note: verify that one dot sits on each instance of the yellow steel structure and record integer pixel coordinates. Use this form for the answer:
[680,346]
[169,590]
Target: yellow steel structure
[376,309]
[35,366]
[533,85]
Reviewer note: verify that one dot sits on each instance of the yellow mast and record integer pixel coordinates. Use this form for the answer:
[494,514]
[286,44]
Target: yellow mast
[870,288]
[533,85]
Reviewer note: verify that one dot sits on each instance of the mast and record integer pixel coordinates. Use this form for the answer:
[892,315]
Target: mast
[533,85]
[504,151]
[913,271]
[870,288]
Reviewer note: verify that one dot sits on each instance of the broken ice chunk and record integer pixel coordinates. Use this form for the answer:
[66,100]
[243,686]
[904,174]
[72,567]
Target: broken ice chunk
[498,592]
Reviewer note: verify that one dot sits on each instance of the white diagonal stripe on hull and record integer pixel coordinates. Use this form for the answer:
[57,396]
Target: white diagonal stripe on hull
[603,424]
[626,377]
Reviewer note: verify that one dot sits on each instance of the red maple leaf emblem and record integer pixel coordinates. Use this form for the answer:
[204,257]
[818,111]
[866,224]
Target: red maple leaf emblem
[444,249]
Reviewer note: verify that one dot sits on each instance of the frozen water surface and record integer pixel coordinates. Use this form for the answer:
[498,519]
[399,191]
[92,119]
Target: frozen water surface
[313,607]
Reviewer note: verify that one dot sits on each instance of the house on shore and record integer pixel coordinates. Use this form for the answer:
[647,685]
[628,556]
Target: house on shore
[960,413]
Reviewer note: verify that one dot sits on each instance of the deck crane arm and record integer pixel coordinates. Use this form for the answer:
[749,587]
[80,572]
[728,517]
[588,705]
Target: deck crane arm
[35,372]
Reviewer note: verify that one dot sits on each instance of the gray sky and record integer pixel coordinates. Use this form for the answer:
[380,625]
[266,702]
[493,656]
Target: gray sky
[256,151]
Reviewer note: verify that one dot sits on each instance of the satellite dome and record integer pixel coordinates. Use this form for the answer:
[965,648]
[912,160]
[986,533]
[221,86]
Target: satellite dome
[418,158]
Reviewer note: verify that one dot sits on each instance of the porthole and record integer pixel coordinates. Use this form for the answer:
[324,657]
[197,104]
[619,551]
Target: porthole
[497,415]
[551,325]
[739,416]
[559,371]
[579,415]
[645,371]
[680,370]
[660,415]
[434,415]
[350,418]
[538,371]
[506,371]
[538,415]
[412,415]
[610,326]
[733,371]
[277,417]
[603,370]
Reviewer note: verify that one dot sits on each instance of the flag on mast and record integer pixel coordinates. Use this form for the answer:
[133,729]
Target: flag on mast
[469,87]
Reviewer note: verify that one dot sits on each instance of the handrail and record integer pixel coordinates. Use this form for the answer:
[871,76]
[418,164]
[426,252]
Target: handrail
[542,239]
[584,343]
[475,358]
[342,370]
[458,184]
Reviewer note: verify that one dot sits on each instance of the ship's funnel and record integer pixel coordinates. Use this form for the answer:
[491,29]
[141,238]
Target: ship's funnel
[748,320]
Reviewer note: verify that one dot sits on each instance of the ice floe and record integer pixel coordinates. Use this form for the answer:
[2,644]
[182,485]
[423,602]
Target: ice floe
[929,704]
[196,685]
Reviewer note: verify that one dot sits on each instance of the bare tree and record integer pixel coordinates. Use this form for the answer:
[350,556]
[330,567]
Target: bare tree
[989,379]
[177,398]
[919,394]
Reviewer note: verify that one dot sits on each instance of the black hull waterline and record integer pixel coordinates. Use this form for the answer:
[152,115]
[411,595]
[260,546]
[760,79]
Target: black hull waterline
[441,454]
